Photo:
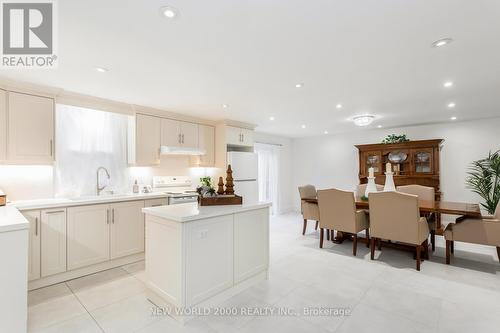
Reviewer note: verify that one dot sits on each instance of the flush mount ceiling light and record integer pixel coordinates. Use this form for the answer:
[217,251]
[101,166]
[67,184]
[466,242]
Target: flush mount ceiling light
[363,120]
[299,85]
[338,106]
[442,42]
[379,126]
[271,118]
[448,84]
[325,132]
[451,105]
[225,106]
[303,126]
[101,69]
[169,12]
[453,118]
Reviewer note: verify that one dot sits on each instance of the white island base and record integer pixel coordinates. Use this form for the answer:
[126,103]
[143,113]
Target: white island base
[197,257]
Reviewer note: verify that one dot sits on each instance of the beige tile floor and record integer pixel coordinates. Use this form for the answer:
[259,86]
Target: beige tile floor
[385,295]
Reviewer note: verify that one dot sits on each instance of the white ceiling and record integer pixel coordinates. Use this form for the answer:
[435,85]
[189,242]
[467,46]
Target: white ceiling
[373,56]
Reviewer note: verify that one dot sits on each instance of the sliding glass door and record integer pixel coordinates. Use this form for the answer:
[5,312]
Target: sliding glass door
[268,173]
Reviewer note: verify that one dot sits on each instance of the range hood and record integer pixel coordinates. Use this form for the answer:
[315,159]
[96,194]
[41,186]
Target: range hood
[175,150]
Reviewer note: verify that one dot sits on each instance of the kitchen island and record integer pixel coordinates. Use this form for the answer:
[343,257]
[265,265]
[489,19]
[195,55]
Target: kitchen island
[197,257]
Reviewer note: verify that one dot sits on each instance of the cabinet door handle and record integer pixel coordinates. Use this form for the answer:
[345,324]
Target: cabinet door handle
[113,216]
[36,226]
[157,205]
[55,212]
[107,216]
[242,137]
[179,139]
[182,138]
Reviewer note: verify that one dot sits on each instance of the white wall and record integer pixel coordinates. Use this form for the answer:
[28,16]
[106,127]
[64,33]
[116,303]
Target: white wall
[285,171]
[332,160]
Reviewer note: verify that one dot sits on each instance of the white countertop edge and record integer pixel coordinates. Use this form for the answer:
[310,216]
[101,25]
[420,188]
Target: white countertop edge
[25,205]
[11,219]
[191,211]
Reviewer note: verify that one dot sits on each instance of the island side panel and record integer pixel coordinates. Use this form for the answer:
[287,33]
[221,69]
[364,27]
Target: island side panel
[251,243]
[209,258]
[164,259]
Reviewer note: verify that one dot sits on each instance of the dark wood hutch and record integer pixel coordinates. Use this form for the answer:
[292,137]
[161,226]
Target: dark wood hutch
[419,162]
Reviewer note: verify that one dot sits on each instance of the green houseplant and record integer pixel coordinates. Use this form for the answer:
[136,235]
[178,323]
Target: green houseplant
[393,138]
[484,179]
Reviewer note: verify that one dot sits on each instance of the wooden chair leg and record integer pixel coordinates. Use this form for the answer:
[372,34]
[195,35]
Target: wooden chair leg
[426,249]
[304,228]
[372,248]
[448,255]
[332,236]
[367,232]
[433,240]
[419,251]
[354,244]
[327,234]
[379,244]
[452,246]
[321,238]
[498,252]
[316,227]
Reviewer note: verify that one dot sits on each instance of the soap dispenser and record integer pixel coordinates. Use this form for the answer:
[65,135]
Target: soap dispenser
[135,188]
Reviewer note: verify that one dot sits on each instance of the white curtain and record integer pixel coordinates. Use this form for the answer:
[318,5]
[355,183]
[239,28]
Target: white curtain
[86,140]
[268,173]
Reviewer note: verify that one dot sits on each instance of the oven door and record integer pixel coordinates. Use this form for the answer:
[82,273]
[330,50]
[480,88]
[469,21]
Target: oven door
[180,200]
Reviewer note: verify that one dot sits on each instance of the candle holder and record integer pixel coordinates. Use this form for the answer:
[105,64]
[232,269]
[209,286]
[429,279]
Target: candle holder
[389,182]
[370,187]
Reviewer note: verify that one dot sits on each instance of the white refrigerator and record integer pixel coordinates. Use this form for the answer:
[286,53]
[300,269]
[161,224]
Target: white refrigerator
[245,172]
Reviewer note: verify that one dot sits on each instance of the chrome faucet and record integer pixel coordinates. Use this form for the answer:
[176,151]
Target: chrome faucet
[99,189]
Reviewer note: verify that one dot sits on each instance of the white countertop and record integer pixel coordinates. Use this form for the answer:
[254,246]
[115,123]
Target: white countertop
[11,219]
[85,200]
[191,211]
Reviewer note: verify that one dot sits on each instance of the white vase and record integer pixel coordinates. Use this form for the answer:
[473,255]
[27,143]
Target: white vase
[389,182]
[370,187]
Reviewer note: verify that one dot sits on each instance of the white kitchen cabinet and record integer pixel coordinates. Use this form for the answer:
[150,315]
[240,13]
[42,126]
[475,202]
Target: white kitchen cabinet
[206,141]
[3,125]
[30,128]
[127,229]
[247,137]
[176,133]
[34,244]
[251,243]
[211,238]
[147,140]
[88,235]
[53,241]
[156,202]
[237,136]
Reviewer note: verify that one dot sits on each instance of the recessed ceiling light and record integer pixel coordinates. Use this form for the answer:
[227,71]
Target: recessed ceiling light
[442,42]
[379,126]
[169,12]
[453,118]
[325,132]
[451,105]
[448,84]
[101,69]
[225,106]
[363,120]
[271,118]
[338,106]
[299,85]
[303,126]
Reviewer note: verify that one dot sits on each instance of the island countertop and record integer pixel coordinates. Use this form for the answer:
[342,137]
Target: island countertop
[191,211]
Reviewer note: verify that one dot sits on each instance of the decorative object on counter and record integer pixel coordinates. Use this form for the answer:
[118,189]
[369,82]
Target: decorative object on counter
[371,187]
[135,188]
[206,181]
[229,180]
[484,179]
[220,189]
[3,198]
[147,189]
[389,180]
[393,138]
[220,200]
[206,190]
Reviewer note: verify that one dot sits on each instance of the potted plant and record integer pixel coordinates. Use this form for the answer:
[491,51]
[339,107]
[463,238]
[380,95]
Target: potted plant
[484,179]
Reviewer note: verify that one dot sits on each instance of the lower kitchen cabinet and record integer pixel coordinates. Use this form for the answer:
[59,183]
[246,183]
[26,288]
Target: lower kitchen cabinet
[88,235]
[127,229]
[34,244]
[53,241]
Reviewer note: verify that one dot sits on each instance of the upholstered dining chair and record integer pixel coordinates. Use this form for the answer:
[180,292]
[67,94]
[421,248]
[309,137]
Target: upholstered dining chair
[484,231]
[360,191]
[337,211]
[309,210]
[395,216]
[425,193]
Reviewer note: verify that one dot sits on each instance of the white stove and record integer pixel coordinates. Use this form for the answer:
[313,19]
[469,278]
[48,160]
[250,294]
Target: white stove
[178,188]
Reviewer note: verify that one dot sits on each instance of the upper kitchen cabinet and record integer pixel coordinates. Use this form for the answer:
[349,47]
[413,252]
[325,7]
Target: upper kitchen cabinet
[206,142]
[232,138]
[176,133]
[237,136]
[30,129]
[3,125]
[147,138]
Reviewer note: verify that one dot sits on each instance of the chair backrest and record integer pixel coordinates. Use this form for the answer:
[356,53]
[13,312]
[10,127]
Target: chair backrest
[337,210]
[307,191]
[425,193]
[394,216]
[362,189]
